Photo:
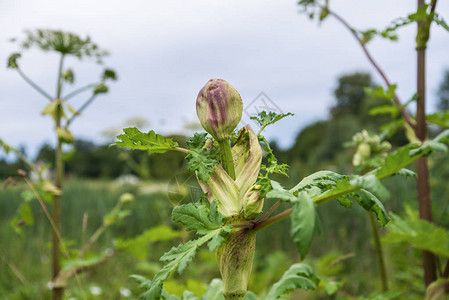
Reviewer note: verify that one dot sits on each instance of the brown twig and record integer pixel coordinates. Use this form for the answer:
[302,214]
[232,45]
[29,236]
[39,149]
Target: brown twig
[382,74]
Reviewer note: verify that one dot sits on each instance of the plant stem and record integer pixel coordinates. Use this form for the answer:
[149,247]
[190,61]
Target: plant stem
[34,85]
[274,219]
[80,90]
[379,252]
[80,110]
[422,169]
[59,173]
[270,211]
[226,158]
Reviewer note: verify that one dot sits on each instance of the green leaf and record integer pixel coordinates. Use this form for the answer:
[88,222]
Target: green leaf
[299,276]
[273,166]
[440,118]
[214,290]
[188,295]
[419,233]
[177,258]
[138,246]
[303,223]
[202,161]
[320,178]
[369,202]
[370,182]
[264,119]
[197,217]
[393,110]
[197,140]
[278,192]
[151,141]
[83,263]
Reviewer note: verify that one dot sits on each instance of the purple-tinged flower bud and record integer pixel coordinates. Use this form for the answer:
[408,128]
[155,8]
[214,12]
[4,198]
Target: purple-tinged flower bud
[219,108]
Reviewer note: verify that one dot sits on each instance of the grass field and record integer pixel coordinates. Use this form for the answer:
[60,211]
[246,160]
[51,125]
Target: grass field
[339,252]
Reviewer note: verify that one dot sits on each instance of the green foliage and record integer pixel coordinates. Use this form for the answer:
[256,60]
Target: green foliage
[197,217]
[419,233]
[273,166]
[264,119]
[12,60]
[151,142]
[440,118]
[202,160]
[304,221]
[299,276]
[138,246]
[177,259]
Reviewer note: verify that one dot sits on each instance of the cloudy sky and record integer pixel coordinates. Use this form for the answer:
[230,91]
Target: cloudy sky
[165,51]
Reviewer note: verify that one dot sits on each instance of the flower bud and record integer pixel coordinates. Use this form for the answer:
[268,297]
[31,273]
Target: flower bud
[252,204]
[219,108]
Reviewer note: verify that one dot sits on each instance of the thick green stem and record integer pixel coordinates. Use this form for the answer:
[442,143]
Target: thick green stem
[235,258]
[379,252]
[59,173]
[226,158]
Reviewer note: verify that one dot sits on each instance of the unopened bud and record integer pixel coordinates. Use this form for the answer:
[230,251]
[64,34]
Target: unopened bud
[252,204]
[219,108]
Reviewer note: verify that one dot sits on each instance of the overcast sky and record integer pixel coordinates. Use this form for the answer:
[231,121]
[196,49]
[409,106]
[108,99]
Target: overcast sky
[165,51]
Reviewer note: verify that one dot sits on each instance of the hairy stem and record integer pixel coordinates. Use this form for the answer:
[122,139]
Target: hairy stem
[379,252]
[226,158]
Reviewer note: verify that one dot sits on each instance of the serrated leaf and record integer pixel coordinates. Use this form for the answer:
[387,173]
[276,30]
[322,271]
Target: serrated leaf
[177,258]
[202,161]
[299,276]
[264,119]
[197,140]
[369,202]
[393,110]
[303,223]
[419,233]
[319,178]
[371,183]
[152,142]
[138,246]
[278,192]
[196,217]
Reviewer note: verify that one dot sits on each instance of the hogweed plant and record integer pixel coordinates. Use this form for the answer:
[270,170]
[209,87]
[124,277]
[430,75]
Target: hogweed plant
[65,45]
[236,183]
